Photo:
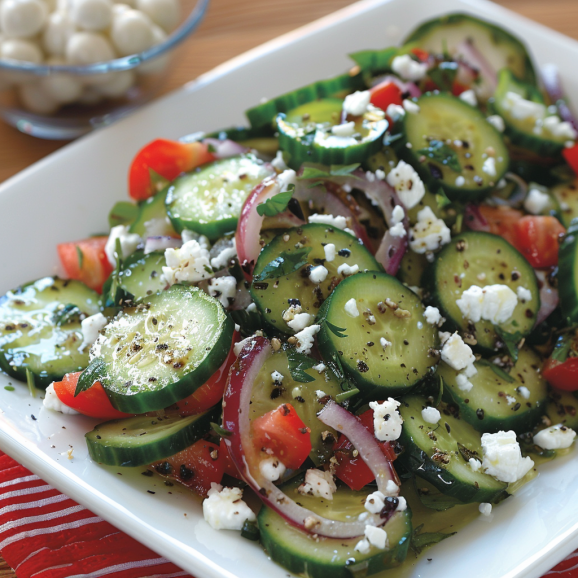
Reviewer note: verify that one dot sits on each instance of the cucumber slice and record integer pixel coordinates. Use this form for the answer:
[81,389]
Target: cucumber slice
[527,133]
[563,408]
[436,453]
[303,246]
[411,269]
[141,440]
[481,259]
[141,274]
[305,134]
[40,332]
[208,200]
[163,349]
[299,387]
[152,218]
[448,139]
[568,273]
[320,557]
[500,48]
[264,114]
[567,196]
[409,352]
[495,402]
[261,139]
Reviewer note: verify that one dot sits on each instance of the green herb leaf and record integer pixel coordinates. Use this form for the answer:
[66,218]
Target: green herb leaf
[444,75]
[67,314]
[440,152]
[442,199]
[80,255]
[9,388]
[421,541]
[211,148]
[440,392]
[275,205]
[298,364]
[348,388]
[435,500]
[158,181]
[123,213]
[30,382]
[510,341]
[285,264]
[468,454]
[96,371]
[337,331]
[342,170]
[497,370]
[375,60]
[562,348]
[220,430]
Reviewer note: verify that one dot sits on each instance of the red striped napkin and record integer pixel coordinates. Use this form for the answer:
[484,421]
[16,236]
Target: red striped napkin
[44,534]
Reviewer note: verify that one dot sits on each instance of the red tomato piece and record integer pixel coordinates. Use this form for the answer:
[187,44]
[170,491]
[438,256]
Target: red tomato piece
[352,470]
[537,239]
[458,88]
[422,55]
[571,156]
[86,261]
[93,402]
[502,221]
[167,158]
[195,467]
[283,432]
[562,375]
[385,94]
[229,467]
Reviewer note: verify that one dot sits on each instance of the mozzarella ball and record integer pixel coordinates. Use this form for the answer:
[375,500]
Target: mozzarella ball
[119,8]
[62,87]
[165,13]
[160,63]
[118,85]
[132,32]
[88,48]
[22,50]
[91,15]
[22,18]
[36,99]
[57,33]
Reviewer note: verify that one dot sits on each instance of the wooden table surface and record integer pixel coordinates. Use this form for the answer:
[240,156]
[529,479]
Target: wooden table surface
[230,28]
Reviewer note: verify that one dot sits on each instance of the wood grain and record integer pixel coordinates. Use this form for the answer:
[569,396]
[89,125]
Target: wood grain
[232,27]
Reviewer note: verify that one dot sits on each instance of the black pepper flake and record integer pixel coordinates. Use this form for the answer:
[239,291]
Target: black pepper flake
[151,492]
[147,473]
[33,417]
[362,367]
[344,253]
[448,428]
[516,407]
[480,413]
[185,473]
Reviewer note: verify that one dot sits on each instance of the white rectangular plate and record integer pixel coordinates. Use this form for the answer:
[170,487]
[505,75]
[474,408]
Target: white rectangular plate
[68,195]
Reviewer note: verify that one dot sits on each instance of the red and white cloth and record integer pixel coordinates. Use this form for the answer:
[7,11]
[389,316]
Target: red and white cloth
[44,534]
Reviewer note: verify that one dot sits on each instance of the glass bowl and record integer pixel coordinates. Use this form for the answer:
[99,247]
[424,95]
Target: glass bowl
[89,96]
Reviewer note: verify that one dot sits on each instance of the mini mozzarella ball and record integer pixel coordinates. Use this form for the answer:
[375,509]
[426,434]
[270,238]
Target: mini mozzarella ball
[93,15]
[165,13]
[118,85]
[158,64]
[62,87]
[132,32]
[22,18]
[21,50]
[36,99]
[57,33]
[88,48]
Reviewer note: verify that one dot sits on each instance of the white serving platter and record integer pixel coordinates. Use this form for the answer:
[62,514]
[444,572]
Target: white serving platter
[67,196]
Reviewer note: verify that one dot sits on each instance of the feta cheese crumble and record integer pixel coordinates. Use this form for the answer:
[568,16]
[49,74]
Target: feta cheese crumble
[393,111]
[300,321]
[347,270]
[356,104]
[375,502]
[338,222]
[319,484]
[433,316]
[91,327]
[407,184]
[485,508]
[224,509]
[407,68]
[223,289]
[457,354]
[410,107]
[489,167]
[475,464]
[363,546]
[277,377]
[429,233]
[271,469]
[329,250]
[384,342]
[503,457]
[376,536]
[188,264]
[318,274]
[305,338]
[397,216]
[497,122]
[351,308]
[345,129]
[522,109]
[320,368]
[469,97]
[495,303]
[279,162]
[52,401]
[536,201]
[224,257]
[387,421]
[524,294]
[555,437]
[524,392]
[128,243]
[430,415]
[460,181]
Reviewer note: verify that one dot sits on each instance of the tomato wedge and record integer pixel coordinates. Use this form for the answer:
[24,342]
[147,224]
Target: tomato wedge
[502,221]
[385,94]
[168,159]
[283,433]
[86,261]
[537,239]
[571,156]
[561,368]
[93,402]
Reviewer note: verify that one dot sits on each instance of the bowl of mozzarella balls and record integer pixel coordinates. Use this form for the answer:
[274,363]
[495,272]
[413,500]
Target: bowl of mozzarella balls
[69,66]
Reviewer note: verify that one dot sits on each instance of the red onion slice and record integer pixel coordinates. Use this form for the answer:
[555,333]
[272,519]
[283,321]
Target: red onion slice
[474,219]
[236,409]
[549,298]
[225,148]
[160,243]
[553,86]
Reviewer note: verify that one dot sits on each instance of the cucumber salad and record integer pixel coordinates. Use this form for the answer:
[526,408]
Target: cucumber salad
[362,308]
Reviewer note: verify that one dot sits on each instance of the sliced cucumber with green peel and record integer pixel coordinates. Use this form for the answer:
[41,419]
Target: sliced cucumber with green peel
[412,267]
[525,130]
[40,329]
[320,557]
[450,143]
[297,251]
[440,453]
[152,218]
[568,273]
[141,274]
[563,408]
[208,200]
[567,196]
[481,259]
[163,349]
[498,400]
[388,347]
[500,48]
[141,440]
[304,388]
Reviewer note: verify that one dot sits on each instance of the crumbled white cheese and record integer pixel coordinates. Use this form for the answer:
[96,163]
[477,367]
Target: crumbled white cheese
[203,241]
[469,97]
[391,489]
[223,289]
[429,233]
[320,368]
[433,316]
[286,179]
[225,509]
[431,415]
[524,392]
[376,536]
[387,421]
[345,129]
[489,167]
[319,484]
[251,308]
[290,313]
[379,174]
[555,437]
[475,464]
[536,201]
[497,122]
[338,222]
[402,505]
[394,111]
[558,128]
[363,546]
[522,109]
[375,502]
[510,399]
[347,270]
[407,183]
[318,274]
[356,104]
[128,243]
[187,264]
[271,469]
[460,181]
[495,303]
[408,68]
[300,321]
[384,342]
[485,508]
[329,250]
[224,257]
[277,377]
[457,354]
[524,294]
[279,162]
[410,107]
[305,338]
[52,401]
[91,327]
[320,394]
[503,457]
[397,215]
[463,383]
[351,308]
[398,230]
